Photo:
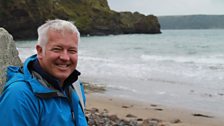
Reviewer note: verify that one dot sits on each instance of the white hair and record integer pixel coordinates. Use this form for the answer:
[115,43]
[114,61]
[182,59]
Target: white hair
[58,25]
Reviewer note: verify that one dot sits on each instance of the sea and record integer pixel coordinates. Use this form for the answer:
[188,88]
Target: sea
[182,68]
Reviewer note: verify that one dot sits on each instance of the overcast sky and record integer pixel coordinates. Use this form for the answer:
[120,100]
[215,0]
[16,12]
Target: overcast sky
[169,7]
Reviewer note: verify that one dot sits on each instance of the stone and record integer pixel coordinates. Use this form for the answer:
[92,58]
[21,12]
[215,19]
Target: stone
[151,122]
[131,116]
[176,121]
[113,117]
[8,54]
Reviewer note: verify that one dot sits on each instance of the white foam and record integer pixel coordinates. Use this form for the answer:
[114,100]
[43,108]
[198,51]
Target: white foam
[210,59]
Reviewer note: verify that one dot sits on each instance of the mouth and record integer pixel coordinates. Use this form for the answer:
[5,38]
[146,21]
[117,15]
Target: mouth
[62,66]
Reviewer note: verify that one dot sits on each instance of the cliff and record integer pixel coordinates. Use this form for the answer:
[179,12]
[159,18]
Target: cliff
[92,17]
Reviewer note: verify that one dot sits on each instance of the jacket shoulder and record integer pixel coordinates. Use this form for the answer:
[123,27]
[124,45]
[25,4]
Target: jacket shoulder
[16,86]
[18,104]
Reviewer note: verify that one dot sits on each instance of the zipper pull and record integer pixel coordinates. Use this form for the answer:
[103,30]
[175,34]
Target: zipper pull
[73,116]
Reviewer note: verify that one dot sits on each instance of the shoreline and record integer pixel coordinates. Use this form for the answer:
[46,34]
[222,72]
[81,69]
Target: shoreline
[132,110]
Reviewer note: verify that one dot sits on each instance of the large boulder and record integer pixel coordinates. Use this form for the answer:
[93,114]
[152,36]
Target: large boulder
[8,54]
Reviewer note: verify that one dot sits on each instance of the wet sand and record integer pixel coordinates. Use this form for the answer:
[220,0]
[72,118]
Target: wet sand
[127,109]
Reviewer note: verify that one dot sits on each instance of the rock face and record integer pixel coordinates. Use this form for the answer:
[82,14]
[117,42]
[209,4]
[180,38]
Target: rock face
[92,17]
[8,54]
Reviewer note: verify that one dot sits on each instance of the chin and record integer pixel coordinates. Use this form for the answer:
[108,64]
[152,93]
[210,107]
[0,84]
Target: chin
[62,77]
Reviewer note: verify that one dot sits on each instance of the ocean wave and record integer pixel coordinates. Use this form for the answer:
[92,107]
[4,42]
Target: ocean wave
[212,59]
[122,88]
[90,58]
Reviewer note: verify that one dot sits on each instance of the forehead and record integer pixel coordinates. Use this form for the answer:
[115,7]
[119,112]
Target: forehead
[54,33]
[62,36]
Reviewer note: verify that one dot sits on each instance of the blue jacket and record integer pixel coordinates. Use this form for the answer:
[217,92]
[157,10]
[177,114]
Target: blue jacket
[27,102]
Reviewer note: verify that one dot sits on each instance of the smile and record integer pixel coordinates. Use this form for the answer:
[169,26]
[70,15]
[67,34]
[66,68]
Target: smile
[62,66]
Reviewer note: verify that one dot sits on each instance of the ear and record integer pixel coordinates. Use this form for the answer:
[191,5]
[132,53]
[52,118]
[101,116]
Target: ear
[40,51]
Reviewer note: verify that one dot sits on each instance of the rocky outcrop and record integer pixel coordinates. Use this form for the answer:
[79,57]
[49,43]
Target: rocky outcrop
[93,17]
[104,118]
[8,54]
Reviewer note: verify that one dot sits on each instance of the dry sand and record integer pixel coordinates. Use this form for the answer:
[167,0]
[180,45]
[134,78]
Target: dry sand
[169,116]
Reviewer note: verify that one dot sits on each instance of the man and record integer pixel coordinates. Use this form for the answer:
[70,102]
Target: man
[44,91]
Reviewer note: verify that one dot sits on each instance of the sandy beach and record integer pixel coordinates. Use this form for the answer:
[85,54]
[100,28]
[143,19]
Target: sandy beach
[168,116]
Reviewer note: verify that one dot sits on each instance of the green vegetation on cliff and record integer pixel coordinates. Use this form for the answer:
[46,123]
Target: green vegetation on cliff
[93,17]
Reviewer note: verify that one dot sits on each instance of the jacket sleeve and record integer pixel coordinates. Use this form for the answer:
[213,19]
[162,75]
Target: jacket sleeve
[18,106]
[79,112]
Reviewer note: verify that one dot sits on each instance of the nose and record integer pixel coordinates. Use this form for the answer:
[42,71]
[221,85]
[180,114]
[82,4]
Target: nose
[64,56]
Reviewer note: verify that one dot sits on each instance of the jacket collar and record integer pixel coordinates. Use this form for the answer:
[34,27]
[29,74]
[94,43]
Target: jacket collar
[52,80]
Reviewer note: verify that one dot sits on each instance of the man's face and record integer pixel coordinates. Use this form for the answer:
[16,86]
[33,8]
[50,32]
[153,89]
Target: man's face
[60,56]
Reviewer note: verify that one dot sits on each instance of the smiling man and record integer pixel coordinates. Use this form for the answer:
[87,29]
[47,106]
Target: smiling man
[58,57]
[44,91]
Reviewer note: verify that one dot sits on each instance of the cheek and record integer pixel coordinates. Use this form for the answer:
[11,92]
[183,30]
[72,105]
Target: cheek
[74,60]
[74,56]
[51,55]
[49,58]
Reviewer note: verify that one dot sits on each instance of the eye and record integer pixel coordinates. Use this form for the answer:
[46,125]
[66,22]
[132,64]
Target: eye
[72,51]
[56,49]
